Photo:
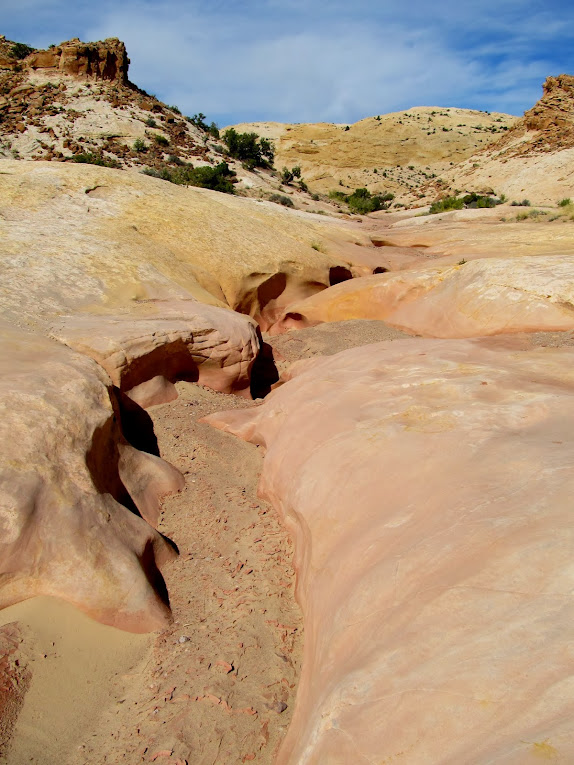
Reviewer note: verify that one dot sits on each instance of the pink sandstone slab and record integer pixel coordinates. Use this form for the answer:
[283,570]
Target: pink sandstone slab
[428,486]
[76,499]
[481,297]
[145,353]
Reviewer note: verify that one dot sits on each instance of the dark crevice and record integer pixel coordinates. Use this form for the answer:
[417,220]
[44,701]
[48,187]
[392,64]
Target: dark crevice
[264,372]
[136,424]
[338,274]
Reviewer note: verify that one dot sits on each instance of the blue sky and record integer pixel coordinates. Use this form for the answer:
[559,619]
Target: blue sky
[319,60]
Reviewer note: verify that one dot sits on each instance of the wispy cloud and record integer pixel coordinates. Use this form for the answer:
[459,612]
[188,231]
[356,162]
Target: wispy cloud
[291,60]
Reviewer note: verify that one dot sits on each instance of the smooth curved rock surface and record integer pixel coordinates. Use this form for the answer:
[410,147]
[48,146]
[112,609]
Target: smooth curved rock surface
[481,297]
[74,493]
[87,239]
[145,354]
[428,486]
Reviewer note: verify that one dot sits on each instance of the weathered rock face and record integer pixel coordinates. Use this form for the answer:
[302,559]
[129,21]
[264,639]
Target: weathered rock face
[428,487]
[554,113]
[74,493]
[144,356]
[482,297]
[90,260]
[105,60]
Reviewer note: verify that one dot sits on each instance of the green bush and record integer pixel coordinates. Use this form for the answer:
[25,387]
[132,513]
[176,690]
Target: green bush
[448,203]
[362,202]
[150,122]
[469,201]
[248,147]
[564,202]
[88,158]
[161,140]
[140,145]
[175,109]
[281,199]
[21,50]
[217,178]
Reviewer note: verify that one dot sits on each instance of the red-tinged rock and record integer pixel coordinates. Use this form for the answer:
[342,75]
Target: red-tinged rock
[432,522]
[162,754]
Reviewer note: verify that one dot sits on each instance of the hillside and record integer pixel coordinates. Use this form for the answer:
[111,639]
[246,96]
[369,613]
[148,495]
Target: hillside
[398,152]
[75,102]
[425,153]
[535,158]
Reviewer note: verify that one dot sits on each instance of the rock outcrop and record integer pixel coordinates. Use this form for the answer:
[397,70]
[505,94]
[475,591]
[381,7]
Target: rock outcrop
[428,487]
[489,296]
[95,237]
[106,60]
[74,492]
[187,340]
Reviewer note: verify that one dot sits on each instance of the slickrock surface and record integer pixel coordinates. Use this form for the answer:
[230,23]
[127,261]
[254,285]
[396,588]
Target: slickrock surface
[482,297]
[86,238]
[428,487]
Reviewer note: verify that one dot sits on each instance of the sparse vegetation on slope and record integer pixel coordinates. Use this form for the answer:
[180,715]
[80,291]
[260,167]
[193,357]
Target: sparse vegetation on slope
[469,201]
[217,178]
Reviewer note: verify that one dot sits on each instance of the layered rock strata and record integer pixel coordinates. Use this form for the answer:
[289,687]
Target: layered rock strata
[187,341]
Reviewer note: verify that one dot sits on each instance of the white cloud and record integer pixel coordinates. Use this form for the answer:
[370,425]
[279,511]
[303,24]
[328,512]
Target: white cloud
[296,60]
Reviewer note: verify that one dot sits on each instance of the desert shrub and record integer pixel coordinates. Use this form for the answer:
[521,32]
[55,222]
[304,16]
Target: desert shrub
[21,50]
[248,147]
[89,158]
[446,204]
[175,109]
[303,186]
[524,203]
[362,202]
[150,122]
[161,140]
[217,178]
[281,199]
[473,200]
[288,176]
[140,145]
[564,202]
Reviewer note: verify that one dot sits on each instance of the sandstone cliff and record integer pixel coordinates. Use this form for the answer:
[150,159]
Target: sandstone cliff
[105,60]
